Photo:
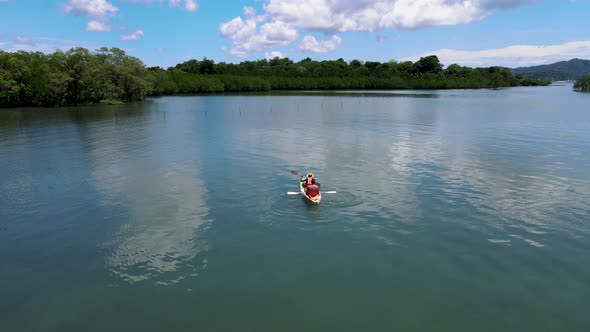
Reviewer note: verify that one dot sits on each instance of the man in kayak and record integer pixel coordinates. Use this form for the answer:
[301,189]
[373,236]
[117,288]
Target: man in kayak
[312,188]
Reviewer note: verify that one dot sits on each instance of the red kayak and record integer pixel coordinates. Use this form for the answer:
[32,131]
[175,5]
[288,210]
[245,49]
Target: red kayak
[313,200]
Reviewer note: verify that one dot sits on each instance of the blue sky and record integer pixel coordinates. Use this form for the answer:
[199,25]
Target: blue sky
[165,32]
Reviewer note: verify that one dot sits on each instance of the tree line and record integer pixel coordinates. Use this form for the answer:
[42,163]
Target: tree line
[109,75]
[583,84]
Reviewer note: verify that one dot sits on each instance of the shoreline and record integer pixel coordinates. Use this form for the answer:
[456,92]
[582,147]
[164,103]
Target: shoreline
[353,92]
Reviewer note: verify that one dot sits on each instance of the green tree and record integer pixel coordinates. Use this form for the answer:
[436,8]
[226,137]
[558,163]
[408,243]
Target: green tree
[110,75]
[355,64]
[428,65]
[582,84]
[81,66]
[453,70]
[9,89]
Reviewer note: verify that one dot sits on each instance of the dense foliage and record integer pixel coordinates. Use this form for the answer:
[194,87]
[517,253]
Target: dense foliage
[76,76]
[583,84]
[111,76]
[205,76]
[560,71]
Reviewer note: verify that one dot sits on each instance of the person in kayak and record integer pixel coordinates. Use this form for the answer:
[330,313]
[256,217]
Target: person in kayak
[311,186]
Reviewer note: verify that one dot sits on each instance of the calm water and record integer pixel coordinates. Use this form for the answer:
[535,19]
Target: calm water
[455,211]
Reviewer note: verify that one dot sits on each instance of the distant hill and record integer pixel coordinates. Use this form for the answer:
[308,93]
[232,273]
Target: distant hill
[560,71]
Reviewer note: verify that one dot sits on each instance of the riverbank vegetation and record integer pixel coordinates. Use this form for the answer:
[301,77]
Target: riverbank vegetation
[583,84]
[111,76]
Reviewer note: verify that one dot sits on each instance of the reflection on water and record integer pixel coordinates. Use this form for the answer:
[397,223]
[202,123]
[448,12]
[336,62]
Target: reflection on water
[448,202]
[161,237]
[165,196]
[516,187]
[353,93]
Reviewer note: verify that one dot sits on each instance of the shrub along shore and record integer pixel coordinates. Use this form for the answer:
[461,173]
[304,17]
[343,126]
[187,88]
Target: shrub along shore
[583,84]
[111,76]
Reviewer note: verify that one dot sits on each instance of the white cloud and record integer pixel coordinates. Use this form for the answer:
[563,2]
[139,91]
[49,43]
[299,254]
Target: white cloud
[136,35]
[101,11]
[277,33]
[367,15]
[274,54]
[248,38]
[190,5]
[338,16]
[249,11]
[310,44]
[96,26]
[98,9]
[512,56]
[24,41]
[46,45]
[160,49]
[237,29]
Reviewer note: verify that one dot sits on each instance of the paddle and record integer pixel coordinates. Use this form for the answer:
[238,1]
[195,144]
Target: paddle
[298,193]
[294,172]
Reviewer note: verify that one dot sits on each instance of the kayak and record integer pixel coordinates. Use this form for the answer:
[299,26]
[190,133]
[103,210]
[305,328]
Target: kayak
[313,200]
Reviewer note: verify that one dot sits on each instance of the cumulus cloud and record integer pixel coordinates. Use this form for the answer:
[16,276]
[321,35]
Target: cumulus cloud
[274,54]
[98,9]
[248,37]
[310,44]
[512,56]
[101,11]
[249,11]
[96,26]
[136,35]
[190,5]
[366,15]
[339,16]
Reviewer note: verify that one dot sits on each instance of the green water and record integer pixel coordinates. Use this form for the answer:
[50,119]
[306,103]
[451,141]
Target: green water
[455,211]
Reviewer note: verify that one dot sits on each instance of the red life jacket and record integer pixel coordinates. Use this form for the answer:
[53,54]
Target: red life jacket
[309,181]
[313,190]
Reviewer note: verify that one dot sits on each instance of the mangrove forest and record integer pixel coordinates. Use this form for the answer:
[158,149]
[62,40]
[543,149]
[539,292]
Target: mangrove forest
[583,84]
[109,75]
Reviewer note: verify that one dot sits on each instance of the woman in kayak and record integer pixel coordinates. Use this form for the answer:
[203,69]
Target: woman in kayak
[312,188]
